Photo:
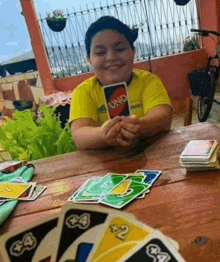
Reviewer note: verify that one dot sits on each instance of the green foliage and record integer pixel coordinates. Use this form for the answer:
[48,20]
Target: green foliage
[56,15]
[30,139]
[191,43]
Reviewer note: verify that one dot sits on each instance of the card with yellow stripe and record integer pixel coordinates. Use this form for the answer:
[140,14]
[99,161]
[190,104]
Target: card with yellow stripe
[13,190]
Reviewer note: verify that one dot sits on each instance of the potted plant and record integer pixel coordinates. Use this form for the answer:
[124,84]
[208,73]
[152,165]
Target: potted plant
[191,43]
[56,21]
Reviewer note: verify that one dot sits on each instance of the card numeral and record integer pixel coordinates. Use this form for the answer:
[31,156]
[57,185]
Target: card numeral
[27,243]
[121,231]
[81,222]
[154,251]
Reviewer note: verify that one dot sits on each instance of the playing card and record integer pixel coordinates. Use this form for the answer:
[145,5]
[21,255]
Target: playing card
[156,248]
[137,178]
[122,188]
[150,176]
[105,185]
[116,100]
[80,226]
[143,194]
[119,201]
[38,190]
[18,180]
[28,193]
[32,243]
[11,165]
[12,190]
[199,150]
[119,237]
[79,196]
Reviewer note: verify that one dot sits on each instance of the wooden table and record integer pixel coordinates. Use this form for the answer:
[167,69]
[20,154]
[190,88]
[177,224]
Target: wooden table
[184,206]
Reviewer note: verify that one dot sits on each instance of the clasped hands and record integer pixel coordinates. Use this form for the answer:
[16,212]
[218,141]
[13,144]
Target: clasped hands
[120,131]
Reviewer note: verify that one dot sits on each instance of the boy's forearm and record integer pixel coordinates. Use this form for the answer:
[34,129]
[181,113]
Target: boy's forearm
[155,122]
[88,137]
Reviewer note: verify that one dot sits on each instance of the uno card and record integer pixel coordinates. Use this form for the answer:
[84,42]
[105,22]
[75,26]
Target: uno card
[105,185]
[150,176]
[137,178]
[28,193]
[80,227]
[119,237]
[116,98]
[79,195]
[13,190]
[156,248]
[38,190]
[11,165]
[144,194]
[122,188]
[34,243]
[119,201]
[82,252]
[199,150]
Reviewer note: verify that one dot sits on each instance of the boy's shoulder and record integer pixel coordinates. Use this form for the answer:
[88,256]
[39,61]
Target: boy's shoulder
[142,74]
[88,84]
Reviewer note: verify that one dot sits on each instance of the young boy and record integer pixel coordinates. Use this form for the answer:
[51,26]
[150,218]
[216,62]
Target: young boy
[110,51]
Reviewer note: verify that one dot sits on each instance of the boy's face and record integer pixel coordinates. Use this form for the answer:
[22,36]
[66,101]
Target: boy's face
[111,57]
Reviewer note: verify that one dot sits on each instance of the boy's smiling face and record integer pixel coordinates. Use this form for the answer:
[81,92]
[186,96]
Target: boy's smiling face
[111,57]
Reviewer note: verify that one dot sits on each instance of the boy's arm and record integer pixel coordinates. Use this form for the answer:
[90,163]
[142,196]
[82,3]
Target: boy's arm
[87,135]
[158,119]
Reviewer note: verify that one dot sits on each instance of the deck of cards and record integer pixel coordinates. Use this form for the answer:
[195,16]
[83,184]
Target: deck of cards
[19,189]
[116,190]
[200,155]
[81,233]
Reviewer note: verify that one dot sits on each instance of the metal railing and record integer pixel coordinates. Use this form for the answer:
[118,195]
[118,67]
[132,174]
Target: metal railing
[164,29]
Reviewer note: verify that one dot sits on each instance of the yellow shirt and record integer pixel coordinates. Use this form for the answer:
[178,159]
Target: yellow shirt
[144,92]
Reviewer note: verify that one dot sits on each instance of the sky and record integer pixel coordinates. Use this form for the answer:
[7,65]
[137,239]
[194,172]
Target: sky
[15,38]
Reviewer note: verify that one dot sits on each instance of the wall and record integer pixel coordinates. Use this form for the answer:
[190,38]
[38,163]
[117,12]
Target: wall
[172,70]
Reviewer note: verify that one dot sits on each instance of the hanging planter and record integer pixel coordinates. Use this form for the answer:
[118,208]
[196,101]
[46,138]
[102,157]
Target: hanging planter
[57,26]
[56,21]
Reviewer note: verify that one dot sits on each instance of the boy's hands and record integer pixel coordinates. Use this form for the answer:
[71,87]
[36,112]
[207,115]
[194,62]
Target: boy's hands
[120,130]
[110,131]
[130,129]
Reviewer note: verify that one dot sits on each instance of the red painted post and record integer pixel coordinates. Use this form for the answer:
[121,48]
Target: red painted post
[38,47]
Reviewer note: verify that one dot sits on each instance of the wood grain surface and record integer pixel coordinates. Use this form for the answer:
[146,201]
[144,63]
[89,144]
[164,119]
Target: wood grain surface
[183,205]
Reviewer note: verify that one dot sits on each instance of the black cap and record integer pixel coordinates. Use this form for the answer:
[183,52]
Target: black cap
[109,22]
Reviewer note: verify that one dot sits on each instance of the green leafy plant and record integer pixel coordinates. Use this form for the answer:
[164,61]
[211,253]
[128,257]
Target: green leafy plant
[55,15]
[28,139]
[191,43]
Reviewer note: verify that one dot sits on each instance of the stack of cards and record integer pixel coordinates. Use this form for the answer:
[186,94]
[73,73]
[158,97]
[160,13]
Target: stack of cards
[116,190]
[19,189]
[81,233]
[200,155]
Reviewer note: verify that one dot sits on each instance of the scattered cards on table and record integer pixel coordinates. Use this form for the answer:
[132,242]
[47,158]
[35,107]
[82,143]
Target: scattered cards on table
[19,189]
[116,190]
[200,155]
[81,233]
